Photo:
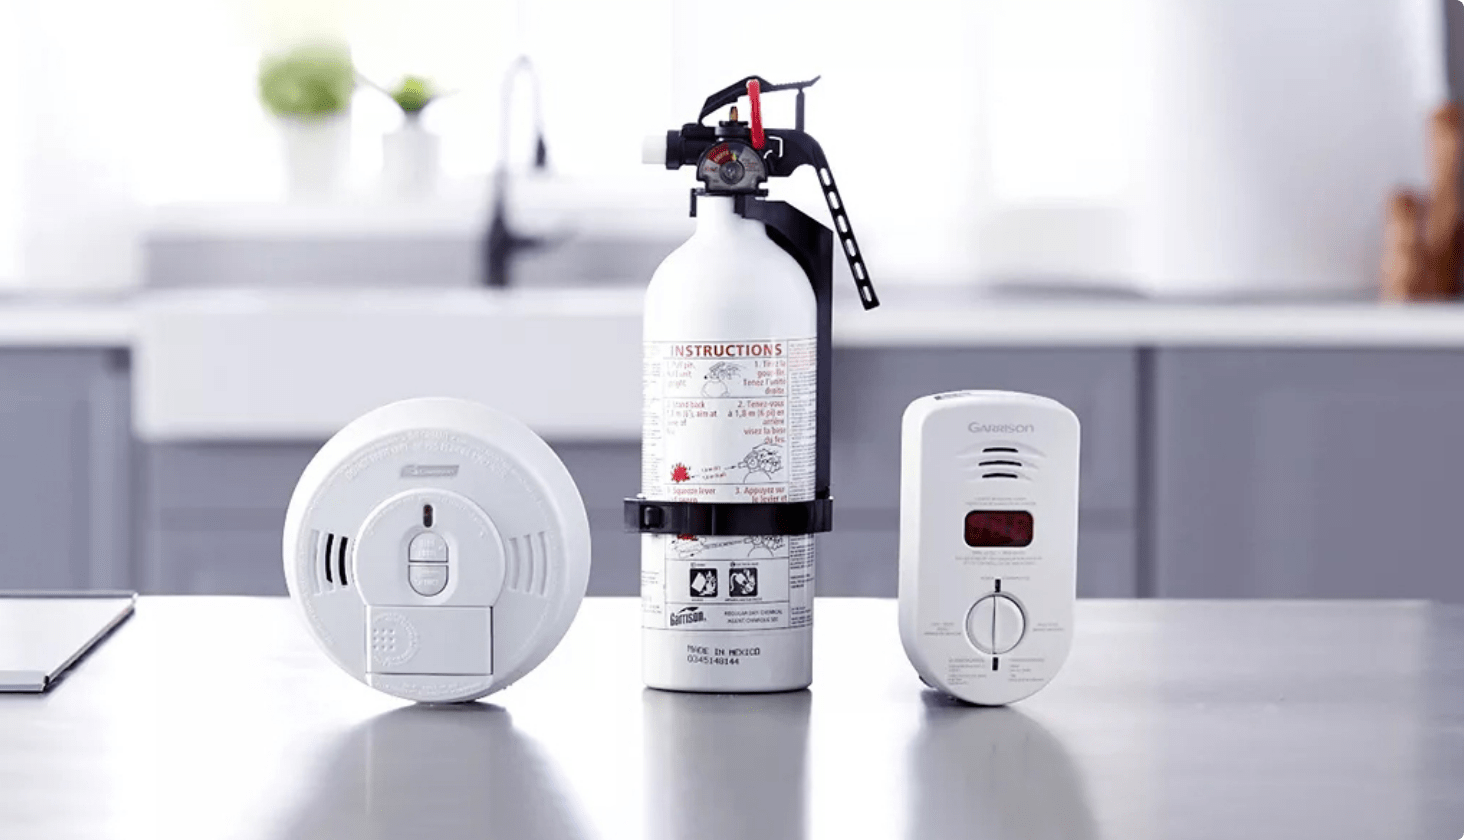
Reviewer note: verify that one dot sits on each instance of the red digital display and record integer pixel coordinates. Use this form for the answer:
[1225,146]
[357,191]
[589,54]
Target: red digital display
[998,528]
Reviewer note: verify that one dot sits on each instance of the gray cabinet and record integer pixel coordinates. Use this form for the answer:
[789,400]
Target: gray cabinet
[1233,473]
[873,386]
[65,441]
[606,473]
[214,512]
[212,516]
[1307,473]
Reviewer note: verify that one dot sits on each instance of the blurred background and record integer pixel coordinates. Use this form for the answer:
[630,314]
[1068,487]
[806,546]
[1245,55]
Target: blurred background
[1225,232]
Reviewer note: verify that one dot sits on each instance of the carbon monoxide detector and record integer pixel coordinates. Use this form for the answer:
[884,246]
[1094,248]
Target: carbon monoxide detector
[988,541]
[438,549]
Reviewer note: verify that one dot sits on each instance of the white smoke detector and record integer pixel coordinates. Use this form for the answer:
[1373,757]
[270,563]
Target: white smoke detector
[438,548]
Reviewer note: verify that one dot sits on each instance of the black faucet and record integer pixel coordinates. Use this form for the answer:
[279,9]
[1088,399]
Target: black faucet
[502,243]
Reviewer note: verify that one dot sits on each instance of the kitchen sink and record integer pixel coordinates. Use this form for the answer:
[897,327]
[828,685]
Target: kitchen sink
[298,365]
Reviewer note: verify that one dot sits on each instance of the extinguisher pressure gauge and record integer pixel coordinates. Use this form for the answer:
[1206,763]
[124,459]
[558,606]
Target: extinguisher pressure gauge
[732,166]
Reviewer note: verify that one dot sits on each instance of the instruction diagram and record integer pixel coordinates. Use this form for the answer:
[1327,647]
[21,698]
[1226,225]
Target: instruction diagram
[715,382]
[765,459]
[703,583]
[742,582]
[685,548]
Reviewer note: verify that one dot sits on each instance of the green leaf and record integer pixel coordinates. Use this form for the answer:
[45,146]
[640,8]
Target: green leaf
[413,94]
[313,81]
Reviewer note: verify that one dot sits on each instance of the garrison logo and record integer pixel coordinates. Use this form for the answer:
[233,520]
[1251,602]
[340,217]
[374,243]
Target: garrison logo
[429,471]
[979,428]
[688,615]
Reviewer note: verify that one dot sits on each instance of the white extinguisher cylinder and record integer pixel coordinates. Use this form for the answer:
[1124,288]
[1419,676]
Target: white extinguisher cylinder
[730,416]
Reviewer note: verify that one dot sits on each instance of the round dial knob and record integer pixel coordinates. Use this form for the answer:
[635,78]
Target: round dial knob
[732,172]
[995,624]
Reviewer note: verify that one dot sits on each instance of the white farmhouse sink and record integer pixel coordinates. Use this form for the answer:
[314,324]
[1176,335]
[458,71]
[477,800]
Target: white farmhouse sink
[287,365]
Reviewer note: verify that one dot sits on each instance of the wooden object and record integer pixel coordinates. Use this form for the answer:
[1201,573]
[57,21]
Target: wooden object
[1406,273]
[1422,235]
[1442,218]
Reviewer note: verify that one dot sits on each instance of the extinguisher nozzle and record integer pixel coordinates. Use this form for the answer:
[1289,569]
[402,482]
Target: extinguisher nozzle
[653,150]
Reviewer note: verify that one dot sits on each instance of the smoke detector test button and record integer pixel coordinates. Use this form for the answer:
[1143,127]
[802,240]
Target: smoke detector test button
[427,564]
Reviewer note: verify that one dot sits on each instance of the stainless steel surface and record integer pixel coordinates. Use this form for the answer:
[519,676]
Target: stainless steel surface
[216,718]
[42,634]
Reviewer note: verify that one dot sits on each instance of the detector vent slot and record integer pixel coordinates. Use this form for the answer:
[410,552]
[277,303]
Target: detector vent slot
[1000,460]
[528,563]
[330,561]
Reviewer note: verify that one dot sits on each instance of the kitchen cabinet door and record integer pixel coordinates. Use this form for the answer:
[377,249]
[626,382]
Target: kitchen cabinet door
[213,515]
[607,472]
[230,559]
[65,441]
[872,387]
[1308,473]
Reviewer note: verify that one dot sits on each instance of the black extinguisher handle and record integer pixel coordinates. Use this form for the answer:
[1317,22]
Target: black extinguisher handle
[731,93]
[789,149]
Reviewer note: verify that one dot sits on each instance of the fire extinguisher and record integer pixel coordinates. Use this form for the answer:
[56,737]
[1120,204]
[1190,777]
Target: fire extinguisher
[735,447]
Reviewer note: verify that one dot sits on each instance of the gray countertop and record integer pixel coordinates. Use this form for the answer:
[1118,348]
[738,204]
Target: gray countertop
[217,718]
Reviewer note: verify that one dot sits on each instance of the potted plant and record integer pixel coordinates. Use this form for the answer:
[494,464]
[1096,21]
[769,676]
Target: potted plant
[308,87]
[409,155]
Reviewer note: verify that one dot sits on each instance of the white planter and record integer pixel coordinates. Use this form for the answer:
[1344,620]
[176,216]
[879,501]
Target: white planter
[317,155]
[409,160]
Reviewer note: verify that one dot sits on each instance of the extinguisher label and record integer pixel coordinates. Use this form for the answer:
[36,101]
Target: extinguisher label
[729,422]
